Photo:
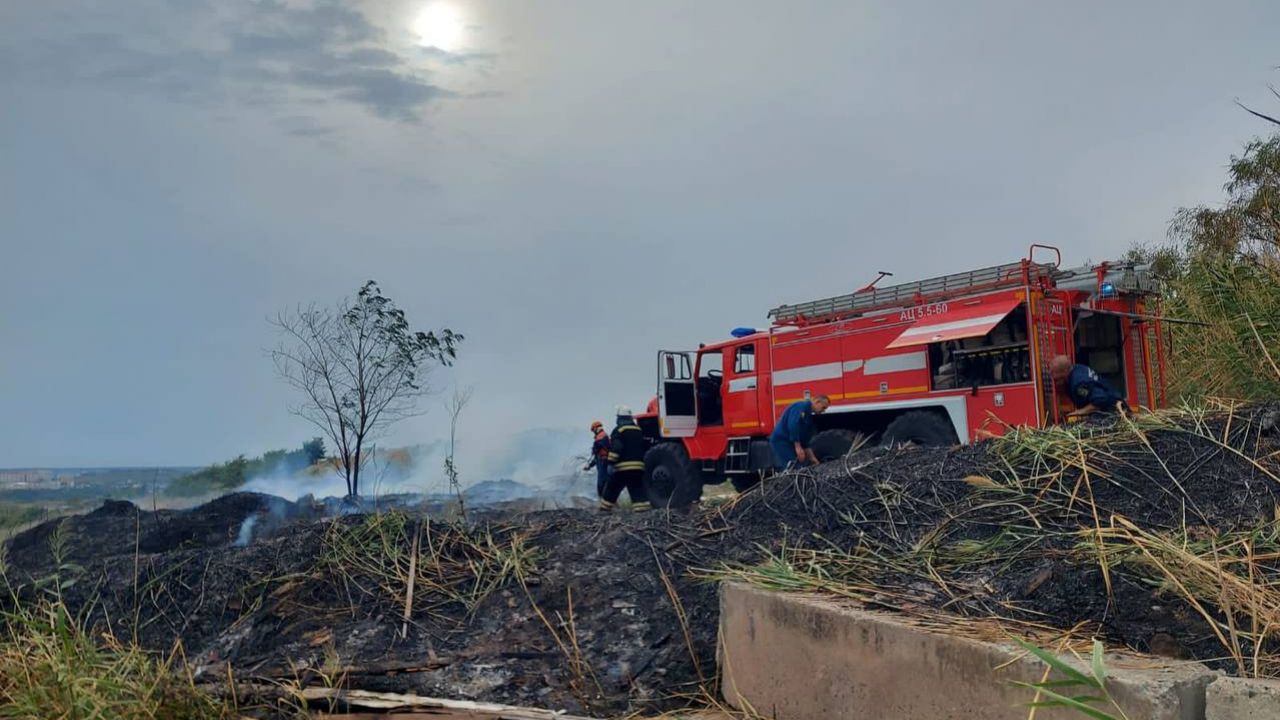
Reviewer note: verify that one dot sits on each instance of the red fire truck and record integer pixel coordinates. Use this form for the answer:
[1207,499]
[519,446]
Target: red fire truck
[952,359]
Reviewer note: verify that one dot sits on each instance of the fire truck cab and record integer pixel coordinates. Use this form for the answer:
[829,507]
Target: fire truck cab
[953,359]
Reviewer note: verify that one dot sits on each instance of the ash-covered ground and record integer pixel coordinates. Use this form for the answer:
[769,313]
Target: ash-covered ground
[606,614]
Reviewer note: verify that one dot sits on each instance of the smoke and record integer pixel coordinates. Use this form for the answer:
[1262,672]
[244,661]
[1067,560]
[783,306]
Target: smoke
[544,458]
[272,514]
[391,471]
[541,466]
[292,487]
[246,531]
[542,463]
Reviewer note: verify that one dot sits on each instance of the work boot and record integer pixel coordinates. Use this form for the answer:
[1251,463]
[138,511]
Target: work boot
[641,507]
[606,506]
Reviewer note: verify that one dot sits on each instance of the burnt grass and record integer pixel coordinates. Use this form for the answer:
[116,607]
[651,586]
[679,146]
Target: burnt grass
[590,626]
[275,612]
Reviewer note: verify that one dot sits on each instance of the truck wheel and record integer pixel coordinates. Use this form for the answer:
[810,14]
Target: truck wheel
[919,427]
[760,464]
[833,444]
[669,476]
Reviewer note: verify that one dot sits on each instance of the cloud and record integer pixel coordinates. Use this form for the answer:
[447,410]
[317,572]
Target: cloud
[456,58]
[305,126]
[304,32]
[265,52]
[385,93]
[106,58]
[373,57]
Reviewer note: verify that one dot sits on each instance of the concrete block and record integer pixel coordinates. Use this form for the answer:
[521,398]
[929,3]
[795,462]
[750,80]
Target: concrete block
[1231,698]
[796,657]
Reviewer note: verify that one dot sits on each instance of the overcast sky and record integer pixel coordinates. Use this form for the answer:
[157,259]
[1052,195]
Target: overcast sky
[571,184]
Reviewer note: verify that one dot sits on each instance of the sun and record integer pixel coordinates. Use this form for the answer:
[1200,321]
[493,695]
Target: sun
[440,25]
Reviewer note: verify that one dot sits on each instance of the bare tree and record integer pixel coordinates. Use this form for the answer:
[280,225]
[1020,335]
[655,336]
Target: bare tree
[360,369]
[455,405]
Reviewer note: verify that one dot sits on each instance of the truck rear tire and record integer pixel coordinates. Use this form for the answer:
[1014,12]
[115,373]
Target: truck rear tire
[832,444]
[919,427]
[670,477]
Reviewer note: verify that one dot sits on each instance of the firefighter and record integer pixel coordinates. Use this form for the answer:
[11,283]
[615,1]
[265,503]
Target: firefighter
[1088,392]
[790,439]
[626,457]
[599,456]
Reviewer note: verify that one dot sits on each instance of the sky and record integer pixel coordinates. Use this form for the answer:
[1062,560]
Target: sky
[571,184]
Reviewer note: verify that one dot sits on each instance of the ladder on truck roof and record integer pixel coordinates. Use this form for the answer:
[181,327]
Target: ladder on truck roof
[912,293]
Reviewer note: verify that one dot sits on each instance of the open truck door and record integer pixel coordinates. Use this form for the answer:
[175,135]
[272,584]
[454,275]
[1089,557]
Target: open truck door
[677,395]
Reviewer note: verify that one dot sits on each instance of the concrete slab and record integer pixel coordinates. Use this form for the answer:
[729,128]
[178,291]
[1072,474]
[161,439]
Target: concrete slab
[794,657]
[1231,698]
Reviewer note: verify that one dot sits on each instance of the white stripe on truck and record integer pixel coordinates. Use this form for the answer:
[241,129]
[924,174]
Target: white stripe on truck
[916,330]
[809,373]
[836,370]
[895,363]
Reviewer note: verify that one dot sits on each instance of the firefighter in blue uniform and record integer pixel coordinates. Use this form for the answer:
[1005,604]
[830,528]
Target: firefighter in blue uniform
[627,446]
[1089,393]
[599,456]
[790,438]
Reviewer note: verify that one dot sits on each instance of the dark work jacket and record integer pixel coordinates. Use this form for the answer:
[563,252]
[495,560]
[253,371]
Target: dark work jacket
[627,447]
[796,424]
[1086,388]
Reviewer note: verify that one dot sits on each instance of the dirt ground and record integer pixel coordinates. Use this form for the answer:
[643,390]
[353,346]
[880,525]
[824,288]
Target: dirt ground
[608,614]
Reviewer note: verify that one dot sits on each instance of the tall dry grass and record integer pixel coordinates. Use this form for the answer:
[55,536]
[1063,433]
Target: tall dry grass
[51,666]
[1235,352]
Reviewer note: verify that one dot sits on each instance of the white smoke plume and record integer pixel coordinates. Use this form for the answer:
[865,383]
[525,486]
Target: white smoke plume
[543,463]
[246,531]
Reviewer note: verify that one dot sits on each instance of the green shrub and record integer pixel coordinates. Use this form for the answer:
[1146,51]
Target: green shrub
[233,474]
[15,515]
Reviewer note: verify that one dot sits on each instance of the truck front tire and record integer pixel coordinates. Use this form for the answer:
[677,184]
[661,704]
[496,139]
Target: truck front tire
[919,427]
[670,477]
[832,444]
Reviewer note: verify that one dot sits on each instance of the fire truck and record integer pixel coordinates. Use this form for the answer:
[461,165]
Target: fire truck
[952,359]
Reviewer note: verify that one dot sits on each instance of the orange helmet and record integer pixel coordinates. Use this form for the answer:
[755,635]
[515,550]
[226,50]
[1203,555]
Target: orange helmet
[597,425]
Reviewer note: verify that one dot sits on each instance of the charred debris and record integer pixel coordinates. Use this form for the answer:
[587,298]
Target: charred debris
[1158,533]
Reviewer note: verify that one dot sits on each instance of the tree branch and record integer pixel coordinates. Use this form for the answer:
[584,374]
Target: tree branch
[1255,113]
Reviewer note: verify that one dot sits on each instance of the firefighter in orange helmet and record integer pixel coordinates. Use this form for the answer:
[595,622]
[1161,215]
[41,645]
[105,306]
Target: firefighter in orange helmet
[599,456]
